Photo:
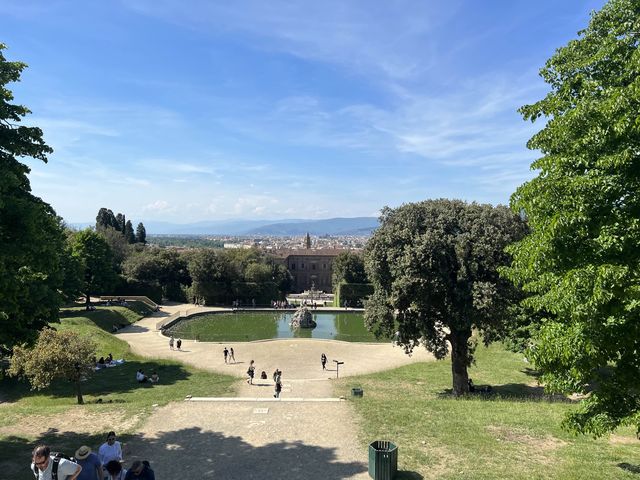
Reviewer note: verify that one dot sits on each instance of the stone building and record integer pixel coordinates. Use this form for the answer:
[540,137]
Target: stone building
[308,267]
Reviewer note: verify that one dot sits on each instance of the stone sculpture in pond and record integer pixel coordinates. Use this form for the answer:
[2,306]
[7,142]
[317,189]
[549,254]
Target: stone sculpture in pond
[303,318]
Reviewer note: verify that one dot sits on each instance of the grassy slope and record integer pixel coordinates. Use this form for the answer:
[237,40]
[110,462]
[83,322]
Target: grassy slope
[120,394]
[512,434]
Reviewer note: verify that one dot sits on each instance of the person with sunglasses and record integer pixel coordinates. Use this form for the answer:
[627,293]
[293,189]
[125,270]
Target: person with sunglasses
[110,450]
[52,467]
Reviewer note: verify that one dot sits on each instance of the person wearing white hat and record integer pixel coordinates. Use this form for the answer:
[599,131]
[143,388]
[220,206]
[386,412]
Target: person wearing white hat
[90,463]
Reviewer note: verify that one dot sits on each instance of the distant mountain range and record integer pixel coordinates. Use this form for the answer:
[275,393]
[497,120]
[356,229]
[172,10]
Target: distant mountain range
[360,226]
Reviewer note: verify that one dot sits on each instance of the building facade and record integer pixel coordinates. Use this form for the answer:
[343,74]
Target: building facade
[309,268]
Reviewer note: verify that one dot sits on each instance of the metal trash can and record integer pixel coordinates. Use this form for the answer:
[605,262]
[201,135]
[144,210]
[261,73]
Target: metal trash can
[383,460]
[356,392]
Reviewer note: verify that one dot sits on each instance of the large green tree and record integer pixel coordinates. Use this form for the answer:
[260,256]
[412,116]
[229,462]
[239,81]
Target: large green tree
[56,355]
[348,267]
[164,267]
[434,267]
[581,262]
[96,258]
[31,235]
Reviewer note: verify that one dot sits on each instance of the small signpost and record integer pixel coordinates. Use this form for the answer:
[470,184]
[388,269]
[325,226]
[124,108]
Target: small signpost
[338,367]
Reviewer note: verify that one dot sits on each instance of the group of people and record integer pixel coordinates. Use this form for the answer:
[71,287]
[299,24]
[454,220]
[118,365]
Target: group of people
[108,361]
[107,464]
[229,355]
[142,378]
[280,304]
[175,341]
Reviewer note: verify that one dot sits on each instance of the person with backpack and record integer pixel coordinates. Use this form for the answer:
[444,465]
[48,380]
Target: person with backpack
[56,466]
[140,471]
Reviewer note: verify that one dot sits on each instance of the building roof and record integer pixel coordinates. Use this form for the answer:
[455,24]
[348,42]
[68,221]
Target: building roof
[304,252]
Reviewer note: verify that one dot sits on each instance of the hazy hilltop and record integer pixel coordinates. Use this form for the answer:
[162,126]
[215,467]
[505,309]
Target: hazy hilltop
[357,226]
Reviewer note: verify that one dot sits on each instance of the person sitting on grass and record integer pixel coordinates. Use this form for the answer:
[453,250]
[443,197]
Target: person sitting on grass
[154,377]
[141,377]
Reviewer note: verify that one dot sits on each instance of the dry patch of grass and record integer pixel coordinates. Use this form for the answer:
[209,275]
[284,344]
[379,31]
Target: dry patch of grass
[77,419]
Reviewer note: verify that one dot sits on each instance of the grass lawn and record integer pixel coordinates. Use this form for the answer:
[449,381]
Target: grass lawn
[513,433]
[113,399]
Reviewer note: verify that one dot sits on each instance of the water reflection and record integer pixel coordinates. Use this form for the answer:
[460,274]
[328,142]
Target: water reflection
[248,326]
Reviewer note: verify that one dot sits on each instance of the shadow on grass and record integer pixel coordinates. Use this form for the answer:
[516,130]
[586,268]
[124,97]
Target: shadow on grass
[630,468]
[105,382]
[197,453]
[518,392]
[103,318]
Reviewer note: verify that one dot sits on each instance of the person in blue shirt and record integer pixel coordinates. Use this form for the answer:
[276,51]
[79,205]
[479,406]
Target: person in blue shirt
[90,463]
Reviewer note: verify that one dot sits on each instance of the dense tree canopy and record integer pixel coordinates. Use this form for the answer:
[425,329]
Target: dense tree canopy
[581,263]
[96,258]
[56,355]
[164,267]
[434,267]
[31,235]
[348,267]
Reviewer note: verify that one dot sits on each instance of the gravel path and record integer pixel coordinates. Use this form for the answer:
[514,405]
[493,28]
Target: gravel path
[255,435]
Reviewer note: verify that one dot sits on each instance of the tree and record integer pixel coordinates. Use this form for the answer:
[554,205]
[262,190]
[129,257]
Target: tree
[31,235]
[105,219]
[141,234]
[118,245]
[434,266]
[64,354]
[348,267]
[581,262]
[96,257]
[121,222]
[164,267]
[129,236]
[211,275]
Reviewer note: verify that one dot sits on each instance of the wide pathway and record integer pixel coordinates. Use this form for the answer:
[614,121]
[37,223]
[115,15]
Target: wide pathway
[254,435]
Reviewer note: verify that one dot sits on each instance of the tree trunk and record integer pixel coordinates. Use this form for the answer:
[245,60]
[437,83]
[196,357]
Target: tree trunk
[88,300]
[79,392]
[460,361]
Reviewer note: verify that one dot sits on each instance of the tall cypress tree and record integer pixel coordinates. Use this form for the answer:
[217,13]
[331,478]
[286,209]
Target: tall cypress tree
[141,234]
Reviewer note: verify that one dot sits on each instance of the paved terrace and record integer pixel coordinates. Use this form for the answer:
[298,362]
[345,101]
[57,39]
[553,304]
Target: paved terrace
[308,433]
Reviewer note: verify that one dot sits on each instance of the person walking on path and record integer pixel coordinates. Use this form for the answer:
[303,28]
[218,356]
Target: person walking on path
[226,354]
[323,360]
[179,343]
[171,343]
[90,463]
[232,356]
[251,372]
[43,465]
[278,389]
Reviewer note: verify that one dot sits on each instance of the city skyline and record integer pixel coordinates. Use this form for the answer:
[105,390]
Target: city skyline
[177,112]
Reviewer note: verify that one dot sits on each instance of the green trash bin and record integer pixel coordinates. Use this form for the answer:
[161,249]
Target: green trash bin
[383,460]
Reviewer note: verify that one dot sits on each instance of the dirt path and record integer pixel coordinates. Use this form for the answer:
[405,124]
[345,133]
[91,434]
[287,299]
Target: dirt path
[254,435]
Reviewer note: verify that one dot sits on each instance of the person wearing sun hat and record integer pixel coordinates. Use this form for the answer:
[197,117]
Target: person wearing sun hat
[90,463]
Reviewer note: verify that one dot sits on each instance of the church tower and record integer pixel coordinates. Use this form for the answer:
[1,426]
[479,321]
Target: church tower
[307,242]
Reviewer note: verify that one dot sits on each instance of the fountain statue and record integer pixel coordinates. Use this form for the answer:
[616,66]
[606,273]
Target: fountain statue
[303,318]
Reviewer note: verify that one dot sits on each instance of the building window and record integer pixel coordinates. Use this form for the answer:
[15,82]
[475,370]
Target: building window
[324,266]
[293,266]
[313,266]
[302,266]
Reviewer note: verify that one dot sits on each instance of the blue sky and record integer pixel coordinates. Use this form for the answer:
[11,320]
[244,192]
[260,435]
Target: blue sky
[201,110]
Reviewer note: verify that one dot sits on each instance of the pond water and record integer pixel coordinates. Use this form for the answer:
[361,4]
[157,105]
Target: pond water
[249,326]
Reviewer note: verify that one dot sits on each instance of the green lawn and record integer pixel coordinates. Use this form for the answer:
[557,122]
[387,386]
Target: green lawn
[513,433]
[109,392]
